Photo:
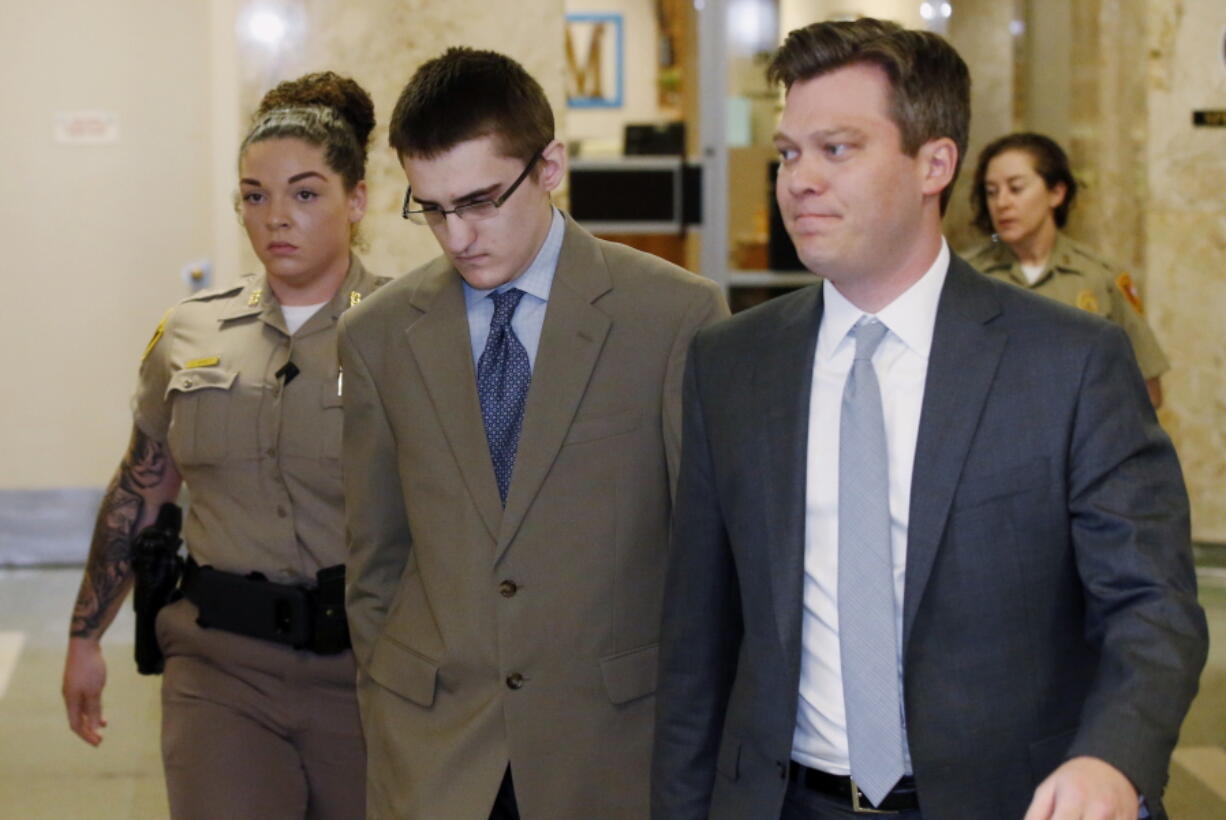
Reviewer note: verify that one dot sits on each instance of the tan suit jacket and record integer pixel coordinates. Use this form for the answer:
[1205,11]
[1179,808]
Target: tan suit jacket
[527,635]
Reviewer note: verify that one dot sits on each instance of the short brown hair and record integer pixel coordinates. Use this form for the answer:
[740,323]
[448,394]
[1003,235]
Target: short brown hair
[322,109]
[1050,163]
[930,86]
[465,94]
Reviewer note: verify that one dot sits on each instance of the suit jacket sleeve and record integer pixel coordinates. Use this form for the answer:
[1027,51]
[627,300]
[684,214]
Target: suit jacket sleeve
[705,310]
[1129,526]
[377,527]
[701,628]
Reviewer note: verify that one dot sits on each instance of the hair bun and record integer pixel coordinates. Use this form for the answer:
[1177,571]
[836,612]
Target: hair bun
[329,89]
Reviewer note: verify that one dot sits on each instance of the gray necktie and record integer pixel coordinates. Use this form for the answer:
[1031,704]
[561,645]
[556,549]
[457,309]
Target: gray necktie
[867,637]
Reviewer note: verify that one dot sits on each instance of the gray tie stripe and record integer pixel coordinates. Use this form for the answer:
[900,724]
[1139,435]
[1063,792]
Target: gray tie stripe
[867,636]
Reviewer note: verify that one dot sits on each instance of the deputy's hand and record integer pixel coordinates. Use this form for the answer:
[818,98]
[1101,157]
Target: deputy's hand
[84,677]
[1084,788]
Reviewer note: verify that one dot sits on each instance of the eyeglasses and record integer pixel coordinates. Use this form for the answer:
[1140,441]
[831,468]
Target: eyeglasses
[469,211]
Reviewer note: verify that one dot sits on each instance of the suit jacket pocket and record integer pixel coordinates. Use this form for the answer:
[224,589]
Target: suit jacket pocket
[592,429]
[1047,754]
[979,489]
[398,668]
[630,675]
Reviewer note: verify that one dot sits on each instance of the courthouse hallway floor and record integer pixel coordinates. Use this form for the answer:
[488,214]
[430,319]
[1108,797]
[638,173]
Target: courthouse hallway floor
[46,772]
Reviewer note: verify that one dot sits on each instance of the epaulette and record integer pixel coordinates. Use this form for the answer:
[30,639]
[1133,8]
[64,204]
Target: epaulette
[1091,256]
[1078,249]
[209,294]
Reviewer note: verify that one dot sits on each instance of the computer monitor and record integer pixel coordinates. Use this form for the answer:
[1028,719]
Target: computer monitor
[639,194]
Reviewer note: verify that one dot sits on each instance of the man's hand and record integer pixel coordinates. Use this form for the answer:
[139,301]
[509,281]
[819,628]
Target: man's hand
[1084,788]
[84,677]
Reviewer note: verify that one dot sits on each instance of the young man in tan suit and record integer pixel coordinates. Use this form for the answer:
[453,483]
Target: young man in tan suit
[512,423]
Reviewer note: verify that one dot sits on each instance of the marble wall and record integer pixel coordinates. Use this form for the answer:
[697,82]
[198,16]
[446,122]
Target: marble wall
[380,43]
[1185,238]
[1108,125]
[983,33]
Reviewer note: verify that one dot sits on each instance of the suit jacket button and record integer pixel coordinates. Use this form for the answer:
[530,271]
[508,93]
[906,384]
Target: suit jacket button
[507,589]
[515,681]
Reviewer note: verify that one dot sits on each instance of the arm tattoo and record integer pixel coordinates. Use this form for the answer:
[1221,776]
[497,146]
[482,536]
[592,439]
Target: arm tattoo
[108,571]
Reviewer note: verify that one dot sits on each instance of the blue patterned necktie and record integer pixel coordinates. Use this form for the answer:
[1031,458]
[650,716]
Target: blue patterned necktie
[503,376]
[867,622]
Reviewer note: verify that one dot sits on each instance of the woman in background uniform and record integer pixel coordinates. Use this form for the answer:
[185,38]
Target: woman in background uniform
[1022,192]
[239,397]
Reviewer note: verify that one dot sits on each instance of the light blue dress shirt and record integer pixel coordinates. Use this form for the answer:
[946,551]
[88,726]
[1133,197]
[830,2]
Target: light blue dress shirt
[535,282]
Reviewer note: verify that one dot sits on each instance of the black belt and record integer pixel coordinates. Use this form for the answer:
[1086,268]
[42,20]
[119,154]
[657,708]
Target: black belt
[302,617]
[843,788]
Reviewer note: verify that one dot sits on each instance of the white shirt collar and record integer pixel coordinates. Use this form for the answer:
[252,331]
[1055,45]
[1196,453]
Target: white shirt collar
[911,317]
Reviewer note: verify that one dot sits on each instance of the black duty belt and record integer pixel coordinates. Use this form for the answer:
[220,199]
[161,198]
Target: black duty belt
[844,789]
[299,616]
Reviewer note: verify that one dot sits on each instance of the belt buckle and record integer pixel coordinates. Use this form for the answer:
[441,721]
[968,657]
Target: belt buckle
[865,807]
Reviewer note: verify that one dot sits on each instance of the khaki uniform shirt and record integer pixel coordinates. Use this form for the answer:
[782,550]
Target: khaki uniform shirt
[1076,276]
[259,453]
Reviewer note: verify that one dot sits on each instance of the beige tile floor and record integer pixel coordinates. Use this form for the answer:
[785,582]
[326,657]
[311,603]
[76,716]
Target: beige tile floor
[46,772]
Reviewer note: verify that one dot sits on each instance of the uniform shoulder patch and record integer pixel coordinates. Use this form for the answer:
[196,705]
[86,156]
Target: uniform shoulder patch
[157,335]
[1129,289]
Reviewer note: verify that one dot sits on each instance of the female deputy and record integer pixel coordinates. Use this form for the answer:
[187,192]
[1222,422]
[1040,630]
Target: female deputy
[1022,193]
[239,397]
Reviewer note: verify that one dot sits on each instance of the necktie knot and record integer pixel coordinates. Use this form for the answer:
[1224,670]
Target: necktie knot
[869,334]
[504,307]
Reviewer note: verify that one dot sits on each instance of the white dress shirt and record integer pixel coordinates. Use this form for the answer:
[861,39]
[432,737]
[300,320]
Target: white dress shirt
[901,363]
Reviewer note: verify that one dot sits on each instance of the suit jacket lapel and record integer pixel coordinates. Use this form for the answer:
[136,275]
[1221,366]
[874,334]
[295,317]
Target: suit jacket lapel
[442,347]
[571,340]
[783,379]
[966,351]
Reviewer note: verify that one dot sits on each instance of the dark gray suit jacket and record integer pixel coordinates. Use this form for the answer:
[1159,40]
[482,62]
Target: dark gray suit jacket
[1050,606]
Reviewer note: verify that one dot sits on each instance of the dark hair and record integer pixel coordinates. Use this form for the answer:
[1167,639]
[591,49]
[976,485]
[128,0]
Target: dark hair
[1050,163]
[465,94]
[930,86]
[322,109]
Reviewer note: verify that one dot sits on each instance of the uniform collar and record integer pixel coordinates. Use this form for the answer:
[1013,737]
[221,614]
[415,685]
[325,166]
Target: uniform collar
[1062,251]
[251,300]
[357,285]
[1000,257]
[257,299]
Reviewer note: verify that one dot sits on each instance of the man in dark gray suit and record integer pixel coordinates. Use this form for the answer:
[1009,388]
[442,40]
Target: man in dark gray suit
[931,549]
